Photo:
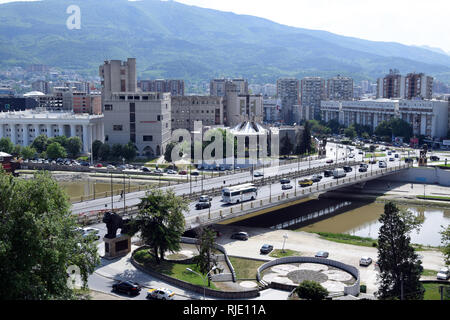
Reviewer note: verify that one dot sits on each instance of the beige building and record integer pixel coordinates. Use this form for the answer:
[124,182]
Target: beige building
[186,110]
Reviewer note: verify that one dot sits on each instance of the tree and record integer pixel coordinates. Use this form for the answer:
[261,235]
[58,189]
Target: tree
[205,243]
[129,151]
[307,137]
[28,152]
[161,221]
[55,150]
[62,140]
[400,268]
[17,150]
[394,127]
[445,240]
[311,290]
[38,241]
[116,151]
[350,132]
[73,146]
[96,145]
[6,145]
[103,152]
[168,152]
[286,145]
[40,143]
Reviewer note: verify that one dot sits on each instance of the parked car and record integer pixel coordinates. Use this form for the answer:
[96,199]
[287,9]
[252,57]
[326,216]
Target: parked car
[98,165]
[328,173]
[266,248]
[258,174]
[160,294]
[195,173]
[409,160]
[286,186]
[443,274]
[361,152]
[158,171]
[202,205]
[434,158]
[330,161]
[111,167]
[365,261]
[145,169]
[362,169]
[305,183]
[240,235]
[128,287]
[91,231]
[351,156]
[347,169]
[170,171]
[396,155]
[284,181]
[373,161]
[316,178]
[182,172]
[322,254]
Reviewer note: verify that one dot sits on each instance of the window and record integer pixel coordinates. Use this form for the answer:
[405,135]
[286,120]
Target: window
[132,127]
[108,107]
[132,117]
[132,107]
[148,138]
[117,127]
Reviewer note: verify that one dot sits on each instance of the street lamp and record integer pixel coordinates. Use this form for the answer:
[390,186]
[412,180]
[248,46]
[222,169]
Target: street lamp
[285,236]
[204,278]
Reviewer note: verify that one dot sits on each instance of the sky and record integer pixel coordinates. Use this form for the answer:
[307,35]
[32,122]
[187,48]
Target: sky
[411,22]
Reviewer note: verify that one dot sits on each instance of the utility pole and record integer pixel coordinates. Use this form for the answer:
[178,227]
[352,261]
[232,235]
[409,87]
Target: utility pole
[124,194]
[112,198]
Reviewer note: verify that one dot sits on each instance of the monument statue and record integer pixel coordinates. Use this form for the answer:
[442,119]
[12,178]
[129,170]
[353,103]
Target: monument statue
[113,222]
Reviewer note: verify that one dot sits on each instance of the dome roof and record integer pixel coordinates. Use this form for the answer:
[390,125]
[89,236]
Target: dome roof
[34,94]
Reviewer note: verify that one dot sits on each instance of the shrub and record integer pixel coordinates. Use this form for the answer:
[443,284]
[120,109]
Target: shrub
[311,290]
[363,288]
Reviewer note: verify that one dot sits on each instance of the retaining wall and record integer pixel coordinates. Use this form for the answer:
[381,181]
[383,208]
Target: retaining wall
[428,175]
[348,290]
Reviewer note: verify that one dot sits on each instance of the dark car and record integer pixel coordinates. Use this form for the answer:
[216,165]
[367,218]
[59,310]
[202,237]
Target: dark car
[328,173]
[330,161]
[240,236]
[145,169]
[434,158]
[195,173]
[84,163]
[348,169]
[409,160]
[265,249]
[128,287]
[362,169]
[285,181]
[202,205]
[322,254]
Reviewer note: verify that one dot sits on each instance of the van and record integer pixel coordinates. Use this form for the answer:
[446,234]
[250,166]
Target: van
[339,173]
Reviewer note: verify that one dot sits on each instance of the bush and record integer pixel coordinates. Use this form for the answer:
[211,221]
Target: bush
[374,244]
[311,290]
[363,288]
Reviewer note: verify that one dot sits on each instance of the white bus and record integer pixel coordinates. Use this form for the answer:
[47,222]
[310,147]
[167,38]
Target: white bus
[241,193]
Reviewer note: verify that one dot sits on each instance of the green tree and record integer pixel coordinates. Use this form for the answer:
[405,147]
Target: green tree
[28,152]
[161,221]
[398,263]
[17,150]
[445,240]
[205,244]
[38,241]
[350,132]
[96,145]
[62,140]
[73,146]
[40,143]
[334,125]
[286,145]
[6,145]
[116,151]
[307,137]
[103,152]
[311,290]
[55,150]
[129,151]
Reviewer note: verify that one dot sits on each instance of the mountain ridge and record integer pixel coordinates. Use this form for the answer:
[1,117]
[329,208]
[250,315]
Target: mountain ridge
[170,39]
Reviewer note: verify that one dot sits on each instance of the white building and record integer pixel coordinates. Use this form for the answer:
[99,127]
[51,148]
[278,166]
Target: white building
[427,117]
[22,127]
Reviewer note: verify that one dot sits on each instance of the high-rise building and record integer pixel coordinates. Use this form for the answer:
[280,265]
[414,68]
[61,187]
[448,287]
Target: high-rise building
[41,86]
[312,93]
[118,76]
[174,87]
[219,87]
[288,93]
[340,88]
[392,86]
[418,85]
[413,86]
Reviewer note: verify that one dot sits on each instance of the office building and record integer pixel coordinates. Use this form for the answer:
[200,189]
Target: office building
[187,110]
[174,87]
[220,87]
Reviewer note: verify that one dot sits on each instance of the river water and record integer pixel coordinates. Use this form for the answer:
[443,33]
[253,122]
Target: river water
[349,217]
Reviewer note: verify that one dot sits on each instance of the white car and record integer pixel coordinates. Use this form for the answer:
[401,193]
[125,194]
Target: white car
[443,274]
[365,261]
[94,231]
[160,294]
[286,186]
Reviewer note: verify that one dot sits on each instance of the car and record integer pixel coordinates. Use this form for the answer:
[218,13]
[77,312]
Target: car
[240,236]
[160,294]
[202,205]
[111,167]
[443,274]
[409,160]
[391,159]
[362,169]
[157,171]
[204,198]
[382,164]
[182,172]
[171,171]
[91,231]
[316,178]
[396,156]
[285,181]
[322,254]
[434,158]
[389,153]
[328,173]
[330,161]
[83,163]
[98,165]
[347,169]
[373,161]
[361,152]
[145,169]
[258,174]
[195,173]
[305,183]
[286,186]
[128,287]
[365,261]
[121,167]
[351,156]
[266,248]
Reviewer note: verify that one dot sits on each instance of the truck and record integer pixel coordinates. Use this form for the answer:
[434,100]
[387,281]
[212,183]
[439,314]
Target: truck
[339,173]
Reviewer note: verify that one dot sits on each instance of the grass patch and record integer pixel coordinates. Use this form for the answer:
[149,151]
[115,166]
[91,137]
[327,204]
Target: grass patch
[432,291]
[429,273]
[348,239]
[370,155]
[245,268]
[172,269]
[278,253]
[433,198]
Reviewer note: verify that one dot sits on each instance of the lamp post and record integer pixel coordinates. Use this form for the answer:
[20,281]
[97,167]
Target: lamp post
[285,236]
[112,198]
[204,278]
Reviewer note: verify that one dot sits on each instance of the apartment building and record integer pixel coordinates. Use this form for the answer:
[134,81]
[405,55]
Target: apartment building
[288,91]
[411,86]
[340,88]
[272,110]
[312,93]
[186,110]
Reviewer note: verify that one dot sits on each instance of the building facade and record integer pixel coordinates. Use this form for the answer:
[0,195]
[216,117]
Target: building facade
[288,91]
[411,86]
[186,110]
[272,110]
[22,127]
[312,93]
[340,88]
[174,87]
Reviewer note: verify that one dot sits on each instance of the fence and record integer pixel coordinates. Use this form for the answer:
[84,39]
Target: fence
[348,290]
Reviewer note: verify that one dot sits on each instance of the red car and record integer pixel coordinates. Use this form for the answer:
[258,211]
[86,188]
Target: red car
[183,172]
[98,165]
